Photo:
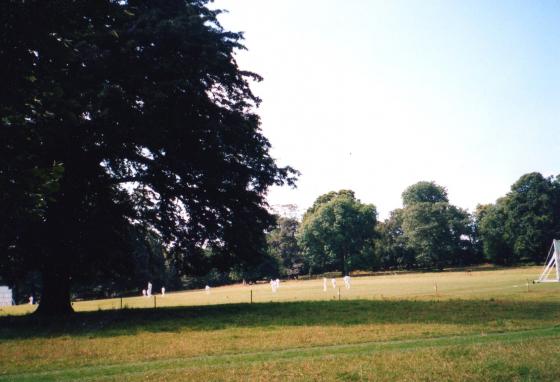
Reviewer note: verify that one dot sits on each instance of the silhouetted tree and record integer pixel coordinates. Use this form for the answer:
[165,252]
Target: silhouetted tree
[126,113]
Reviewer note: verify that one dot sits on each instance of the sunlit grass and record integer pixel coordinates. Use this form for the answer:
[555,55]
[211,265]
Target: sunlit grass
[511,283]
[482,325]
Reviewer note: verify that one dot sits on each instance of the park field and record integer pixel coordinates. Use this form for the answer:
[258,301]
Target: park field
[486,324]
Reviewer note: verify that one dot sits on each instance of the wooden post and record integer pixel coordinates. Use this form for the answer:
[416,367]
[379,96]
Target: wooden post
[121,303]
[435,287]
[251,296]
[155,306]
[338,293]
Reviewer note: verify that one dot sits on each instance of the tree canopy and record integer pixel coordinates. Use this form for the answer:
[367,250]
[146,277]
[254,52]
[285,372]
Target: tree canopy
[521,225]
[424,192]
[491,231]
[126,113]
[282,244]
[336,231]
[437,233]
[391,247]
[427,232]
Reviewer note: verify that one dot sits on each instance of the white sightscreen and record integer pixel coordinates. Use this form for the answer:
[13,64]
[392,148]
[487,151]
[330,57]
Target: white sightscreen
[5,296]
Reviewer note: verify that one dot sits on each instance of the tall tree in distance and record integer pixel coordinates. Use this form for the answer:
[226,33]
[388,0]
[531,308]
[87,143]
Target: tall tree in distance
[437,232]
[532,209]
[424,192]
[491,227]
[391,249]
[336,231]
[282,244]
[521,225]
[126,113]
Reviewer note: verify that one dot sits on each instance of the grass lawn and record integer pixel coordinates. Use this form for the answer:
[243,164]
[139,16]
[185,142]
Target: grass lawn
[481,325]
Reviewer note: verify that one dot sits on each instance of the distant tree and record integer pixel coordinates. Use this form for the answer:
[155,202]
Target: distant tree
[152,262]
[336,231]
[268,267]
[532,216]
[282,244]
[120,113]
[437,232]
[521,225]
[391,249]
[424,192]
[434,232]
[479,213]
[491,227]
[463,231]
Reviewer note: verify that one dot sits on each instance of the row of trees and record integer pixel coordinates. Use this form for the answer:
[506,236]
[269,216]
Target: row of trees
[340,233]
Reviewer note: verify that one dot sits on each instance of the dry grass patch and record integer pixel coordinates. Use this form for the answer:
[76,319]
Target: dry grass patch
[286,340]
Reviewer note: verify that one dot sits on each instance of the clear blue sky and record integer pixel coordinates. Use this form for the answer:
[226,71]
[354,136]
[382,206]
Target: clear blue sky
[374,96]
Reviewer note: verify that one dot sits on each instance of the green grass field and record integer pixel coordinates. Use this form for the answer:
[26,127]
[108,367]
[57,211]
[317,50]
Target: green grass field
[481,325]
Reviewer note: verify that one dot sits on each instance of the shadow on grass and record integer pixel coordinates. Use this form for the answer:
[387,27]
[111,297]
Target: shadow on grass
[267,315]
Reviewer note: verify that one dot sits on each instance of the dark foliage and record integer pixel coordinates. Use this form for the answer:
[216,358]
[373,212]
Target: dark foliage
[520,226]
[119,114]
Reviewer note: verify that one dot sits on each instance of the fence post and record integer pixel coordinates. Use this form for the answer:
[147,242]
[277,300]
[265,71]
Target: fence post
[338,293]
[251,296]
[435,287]
[155,306]
[121,302]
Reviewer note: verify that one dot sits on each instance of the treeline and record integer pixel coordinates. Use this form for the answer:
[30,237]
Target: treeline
[340,233]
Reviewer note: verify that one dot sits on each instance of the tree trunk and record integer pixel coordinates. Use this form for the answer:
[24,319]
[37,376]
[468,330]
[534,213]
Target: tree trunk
[55,296]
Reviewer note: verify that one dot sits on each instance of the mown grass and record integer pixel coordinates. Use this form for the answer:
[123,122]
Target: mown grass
[491,333]
[480,283]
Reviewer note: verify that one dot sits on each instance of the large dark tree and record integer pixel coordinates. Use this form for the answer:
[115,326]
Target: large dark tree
[125,113]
